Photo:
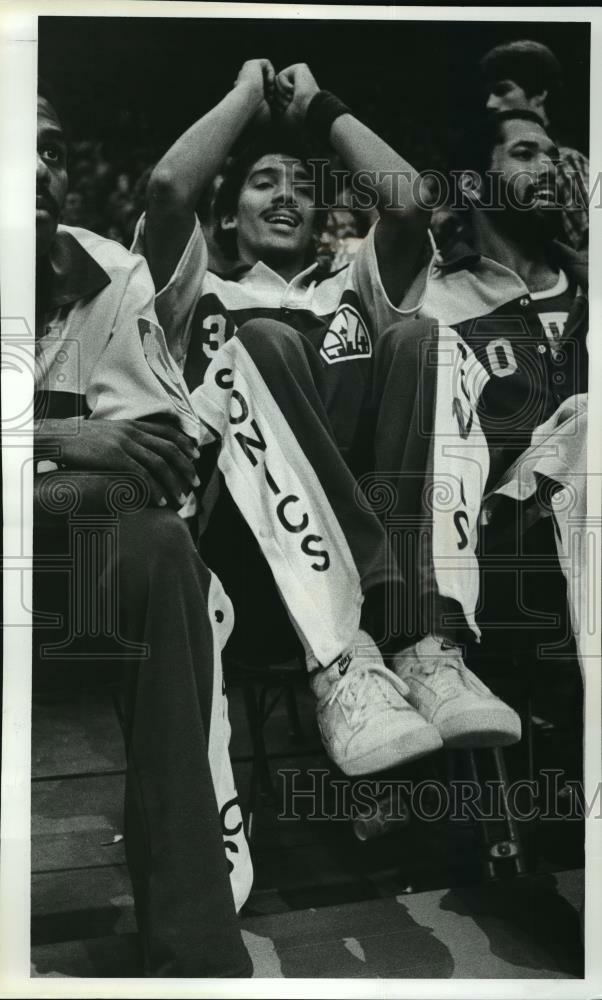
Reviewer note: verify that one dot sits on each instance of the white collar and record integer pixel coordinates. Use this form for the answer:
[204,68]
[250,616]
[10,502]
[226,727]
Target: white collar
[266,273]
[561,286]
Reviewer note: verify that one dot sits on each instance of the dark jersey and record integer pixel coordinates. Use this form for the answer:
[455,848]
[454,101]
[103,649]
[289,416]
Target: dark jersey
[340,314]
[529,355]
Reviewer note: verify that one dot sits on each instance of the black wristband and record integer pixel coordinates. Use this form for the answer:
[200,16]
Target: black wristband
[323,109]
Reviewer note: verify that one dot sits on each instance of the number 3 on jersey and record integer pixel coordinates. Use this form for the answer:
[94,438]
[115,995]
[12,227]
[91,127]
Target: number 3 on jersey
[214,334]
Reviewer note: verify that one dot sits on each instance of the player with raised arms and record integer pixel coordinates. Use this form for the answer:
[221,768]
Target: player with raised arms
[279,357]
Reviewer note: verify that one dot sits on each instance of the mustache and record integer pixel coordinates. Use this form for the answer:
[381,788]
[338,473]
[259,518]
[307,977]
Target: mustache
[48,202]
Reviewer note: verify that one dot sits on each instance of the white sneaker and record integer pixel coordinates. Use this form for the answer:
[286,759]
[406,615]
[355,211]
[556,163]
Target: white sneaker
[365,722]
[447,693]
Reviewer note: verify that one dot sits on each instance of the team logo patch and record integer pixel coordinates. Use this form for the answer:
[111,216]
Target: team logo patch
[346,337]
[167,373]
[344,662]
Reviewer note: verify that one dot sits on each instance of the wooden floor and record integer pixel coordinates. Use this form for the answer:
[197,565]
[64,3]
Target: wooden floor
[411,904]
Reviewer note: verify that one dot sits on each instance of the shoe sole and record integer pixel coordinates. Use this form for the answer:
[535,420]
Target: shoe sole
[486,728]
[415,743]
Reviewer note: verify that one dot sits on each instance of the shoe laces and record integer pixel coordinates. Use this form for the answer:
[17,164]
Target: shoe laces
[444,673]
[355,691]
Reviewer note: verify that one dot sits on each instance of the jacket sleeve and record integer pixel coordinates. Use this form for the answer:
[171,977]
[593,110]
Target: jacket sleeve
[176,302]
[135,376]
[364,278]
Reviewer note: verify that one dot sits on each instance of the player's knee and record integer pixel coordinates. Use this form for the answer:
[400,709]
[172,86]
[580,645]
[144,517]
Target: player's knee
[269,342]
[406,342]
[407,334]
[76,492]
[153,541]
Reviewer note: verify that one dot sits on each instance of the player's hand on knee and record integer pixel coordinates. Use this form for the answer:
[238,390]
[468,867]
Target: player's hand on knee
[161,455]
[258,76]
[168,456]
[294,89]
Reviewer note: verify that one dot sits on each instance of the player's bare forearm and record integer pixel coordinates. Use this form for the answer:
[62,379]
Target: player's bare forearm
[192,162]
[378,172]
[180,178]
[401,200]
[190,165]
[50,433]
[161,455]
[376,165]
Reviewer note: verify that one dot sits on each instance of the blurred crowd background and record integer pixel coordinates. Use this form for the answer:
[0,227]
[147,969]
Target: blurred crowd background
[128,87]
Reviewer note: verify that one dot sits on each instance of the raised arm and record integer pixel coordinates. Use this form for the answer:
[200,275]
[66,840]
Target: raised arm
[190,165]
[401,197]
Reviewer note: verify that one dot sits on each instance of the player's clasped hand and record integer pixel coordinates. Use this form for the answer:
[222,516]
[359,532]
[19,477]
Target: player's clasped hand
[258,76]
[286,95]
[161,454]
[294,89]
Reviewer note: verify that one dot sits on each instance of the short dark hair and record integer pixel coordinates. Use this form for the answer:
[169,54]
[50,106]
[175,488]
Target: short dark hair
[268,141]
[473,147]
[47,92]
[530,64]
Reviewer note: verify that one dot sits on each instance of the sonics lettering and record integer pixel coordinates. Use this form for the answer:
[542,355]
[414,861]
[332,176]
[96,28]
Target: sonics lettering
[289,509]
[231,831]
[464,423]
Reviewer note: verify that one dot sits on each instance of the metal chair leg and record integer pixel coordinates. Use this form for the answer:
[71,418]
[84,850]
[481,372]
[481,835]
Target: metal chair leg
[509,848]
[295,730]
[256,719]
[261,696]
[512,848]
[252,715]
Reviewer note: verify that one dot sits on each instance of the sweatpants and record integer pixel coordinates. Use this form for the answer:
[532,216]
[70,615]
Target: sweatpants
[398,549]
[125,588]
[324,544]
[444,478]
